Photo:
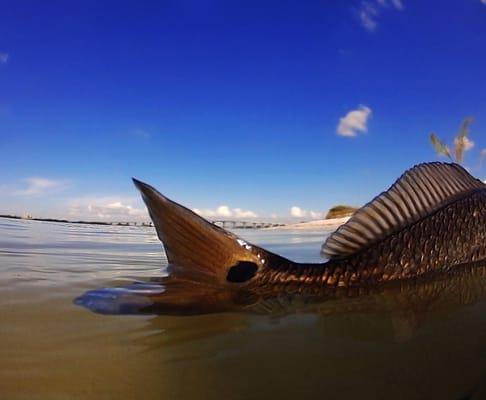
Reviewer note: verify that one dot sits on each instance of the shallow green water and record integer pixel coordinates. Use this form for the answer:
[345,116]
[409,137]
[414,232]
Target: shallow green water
[424,343]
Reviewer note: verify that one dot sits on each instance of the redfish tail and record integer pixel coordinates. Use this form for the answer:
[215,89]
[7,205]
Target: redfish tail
[200,251]
[211,269]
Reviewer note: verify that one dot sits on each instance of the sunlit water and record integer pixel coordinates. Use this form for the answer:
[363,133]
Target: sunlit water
[52,349]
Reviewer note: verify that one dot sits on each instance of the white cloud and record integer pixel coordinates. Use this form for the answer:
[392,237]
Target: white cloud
[297,212]
[354,121]
[316,214]
[38,186]
[239,213]
[468,143]
[370,10]
[3,58]
[116,209]
[224,211]
[483,1]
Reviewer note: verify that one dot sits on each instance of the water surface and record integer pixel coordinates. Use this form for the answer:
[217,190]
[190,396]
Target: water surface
[433,346]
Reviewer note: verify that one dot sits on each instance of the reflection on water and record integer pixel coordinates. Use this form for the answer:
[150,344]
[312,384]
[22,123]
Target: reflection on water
[414,342]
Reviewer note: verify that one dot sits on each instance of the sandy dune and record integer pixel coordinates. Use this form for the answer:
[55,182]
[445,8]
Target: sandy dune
[327,224]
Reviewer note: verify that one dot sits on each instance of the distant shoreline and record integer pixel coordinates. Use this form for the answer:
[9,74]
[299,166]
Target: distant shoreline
[325,224]
[65,221]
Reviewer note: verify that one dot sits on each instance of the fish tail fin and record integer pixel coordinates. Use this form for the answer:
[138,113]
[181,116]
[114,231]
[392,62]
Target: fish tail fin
[211,269]
[198,250]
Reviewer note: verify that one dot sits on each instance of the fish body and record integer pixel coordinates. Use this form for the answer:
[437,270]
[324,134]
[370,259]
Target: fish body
[430,221]
[453,235]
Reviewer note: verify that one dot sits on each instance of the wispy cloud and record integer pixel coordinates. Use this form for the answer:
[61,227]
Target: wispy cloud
[142,134]
[224,211]
[354,121]
[3,58]
[368,14]
[112,208]
[36,186]
[369,11]
[483,1]
[297,212]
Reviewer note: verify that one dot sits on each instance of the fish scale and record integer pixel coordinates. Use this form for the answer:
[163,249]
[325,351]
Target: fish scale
[431,221]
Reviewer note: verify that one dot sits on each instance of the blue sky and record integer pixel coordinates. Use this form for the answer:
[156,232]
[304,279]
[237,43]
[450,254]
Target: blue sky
[230,103]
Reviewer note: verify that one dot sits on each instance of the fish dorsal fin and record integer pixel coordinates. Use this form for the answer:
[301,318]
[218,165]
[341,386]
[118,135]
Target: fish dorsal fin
[419,192]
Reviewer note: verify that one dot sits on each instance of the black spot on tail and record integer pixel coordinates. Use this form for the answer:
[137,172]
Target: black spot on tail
[241,272]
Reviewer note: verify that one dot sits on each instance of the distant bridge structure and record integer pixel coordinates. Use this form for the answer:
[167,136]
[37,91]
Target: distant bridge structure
[226,224]
[237,224]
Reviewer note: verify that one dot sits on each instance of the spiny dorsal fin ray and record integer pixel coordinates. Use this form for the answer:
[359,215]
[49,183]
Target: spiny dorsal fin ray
[419,192]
